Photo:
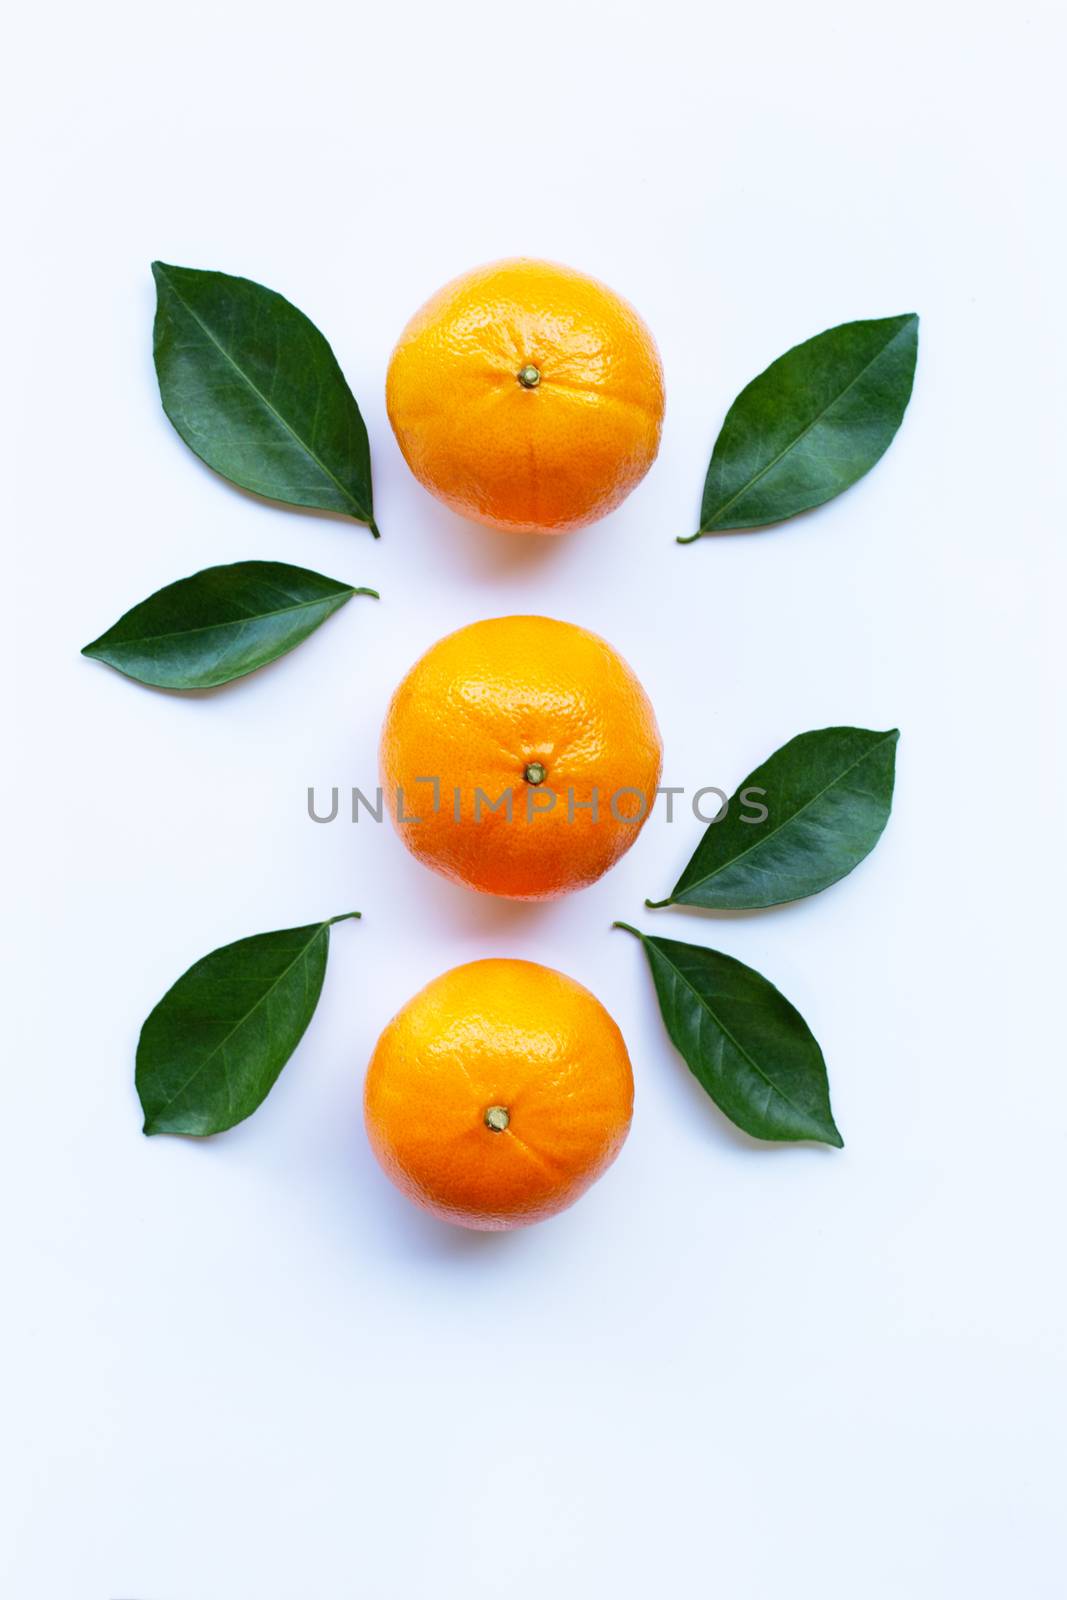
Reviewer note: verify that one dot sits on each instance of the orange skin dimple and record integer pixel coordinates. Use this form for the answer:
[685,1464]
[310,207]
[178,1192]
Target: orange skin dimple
[502,1035]
[476,712]
[539,459]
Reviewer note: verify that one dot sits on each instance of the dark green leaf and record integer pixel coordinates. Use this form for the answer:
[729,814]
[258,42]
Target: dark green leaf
[827,795]
[743,1041]
[220,624]
[811,425]
[212,1049]
[253,387]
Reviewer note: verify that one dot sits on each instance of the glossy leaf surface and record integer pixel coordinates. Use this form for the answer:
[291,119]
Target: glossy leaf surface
[220,624]
[743,1041]
[812,424]
[827,794]
[255,390]
[212,1049]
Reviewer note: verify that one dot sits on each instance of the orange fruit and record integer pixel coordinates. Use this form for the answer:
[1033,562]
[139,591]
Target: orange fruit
[498,1094]
[527,396]
[520,756]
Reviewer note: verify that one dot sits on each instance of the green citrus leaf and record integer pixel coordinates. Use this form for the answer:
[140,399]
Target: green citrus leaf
[826,796]
[812,424]
[212,1049]
[743,1041]
[255,390]
[220,624]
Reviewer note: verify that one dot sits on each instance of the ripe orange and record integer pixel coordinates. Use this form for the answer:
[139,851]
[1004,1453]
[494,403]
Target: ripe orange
[527,396]
[520,756]
[498,1094]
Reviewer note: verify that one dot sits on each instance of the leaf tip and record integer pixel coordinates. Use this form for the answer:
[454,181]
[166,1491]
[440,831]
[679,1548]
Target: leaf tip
[374,528]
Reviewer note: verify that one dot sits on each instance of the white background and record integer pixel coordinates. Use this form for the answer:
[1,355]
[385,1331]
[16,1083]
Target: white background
[247,1369]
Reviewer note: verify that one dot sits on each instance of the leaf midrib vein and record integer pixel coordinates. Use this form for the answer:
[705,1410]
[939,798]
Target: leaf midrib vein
[232,622]
[791,445]
[213,1052]
[738,1046]
[275,413]
[758,844]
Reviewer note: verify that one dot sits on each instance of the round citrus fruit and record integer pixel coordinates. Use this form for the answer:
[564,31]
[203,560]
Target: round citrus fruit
[498,1094]
[520,756]
[527,396]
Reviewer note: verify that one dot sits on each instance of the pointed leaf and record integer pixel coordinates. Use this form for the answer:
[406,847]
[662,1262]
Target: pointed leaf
[212,1049]
[255,390]
[812,424]
[827,797]
[743,1041]
[220,624]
